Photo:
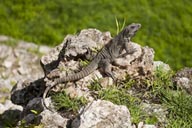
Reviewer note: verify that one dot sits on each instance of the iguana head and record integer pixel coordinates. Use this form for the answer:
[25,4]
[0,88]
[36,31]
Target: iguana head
[130,30]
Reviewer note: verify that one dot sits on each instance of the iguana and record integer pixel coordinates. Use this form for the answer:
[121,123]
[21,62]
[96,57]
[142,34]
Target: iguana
[103,59]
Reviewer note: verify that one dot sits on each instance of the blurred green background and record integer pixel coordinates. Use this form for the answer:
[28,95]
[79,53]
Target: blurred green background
[166,24]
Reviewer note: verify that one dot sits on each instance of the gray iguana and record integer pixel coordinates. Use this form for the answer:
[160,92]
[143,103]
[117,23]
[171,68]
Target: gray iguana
[103,59]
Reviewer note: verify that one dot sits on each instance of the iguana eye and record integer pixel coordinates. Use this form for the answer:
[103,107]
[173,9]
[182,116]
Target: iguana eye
[132,27]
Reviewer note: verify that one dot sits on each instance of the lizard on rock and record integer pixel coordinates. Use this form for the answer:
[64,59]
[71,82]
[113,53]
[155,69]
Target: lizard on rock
[103,59]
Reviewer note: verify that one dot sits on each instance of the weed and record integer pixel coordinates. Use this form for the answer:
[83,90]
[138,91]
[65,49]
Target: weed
[95,86]
[84,63]
[179,105]
[177,101]
[122,97]
[119,26]
[63,101]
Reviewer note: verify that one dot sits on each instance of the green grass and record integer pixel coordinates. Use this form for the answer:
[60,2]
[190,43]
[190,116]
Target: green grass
[179,106]
[65,102]
[166,25]
[177,101]
[120,96]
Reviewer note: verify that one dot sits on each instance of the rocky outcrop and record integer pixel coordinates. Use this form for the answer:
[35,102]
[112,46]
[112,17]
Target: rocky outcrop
[76,50]
[70,56]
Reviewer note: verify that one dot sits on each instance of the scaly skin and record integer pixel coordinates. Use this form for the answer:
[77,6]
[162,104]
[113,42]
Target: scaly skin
[103,59]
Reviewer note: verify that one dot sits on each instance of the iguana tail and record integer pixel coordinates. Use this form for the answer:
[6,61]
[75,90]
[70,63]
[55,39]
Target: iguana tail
[79,75]
[45,94]
[73,77]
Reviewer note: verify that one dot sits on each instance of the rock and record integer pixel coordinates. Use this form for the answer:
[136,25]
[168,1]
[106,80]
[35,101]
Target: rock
[74,92]
[103,114]
[66,59]
[106,82]
[28,46]
[53,120]
[30,114]
[10,118]
[139,63]
[34,105]
[5,51]
[44,49]
[30,119]
[162,66]
[9,113]
[4,38]
[75,46]
[25,91]
[20,67]
[127,60]
[142,125]
[183,79]
[18,64]
[8,105]
[158,110]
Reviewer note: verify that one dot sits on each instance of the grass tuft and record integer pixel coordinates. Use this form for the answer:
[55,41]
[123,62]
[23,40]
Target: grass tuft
[63,101]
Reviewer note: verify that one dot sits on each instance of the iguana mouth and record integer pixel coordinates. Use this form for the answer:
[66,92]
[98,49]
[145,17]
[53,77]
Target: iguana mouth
[132,34]
[131,30]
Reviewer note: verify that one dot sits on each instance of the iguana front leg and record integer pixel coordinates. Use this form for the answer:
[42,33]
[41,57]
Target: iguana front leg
[106,66]
[127,48]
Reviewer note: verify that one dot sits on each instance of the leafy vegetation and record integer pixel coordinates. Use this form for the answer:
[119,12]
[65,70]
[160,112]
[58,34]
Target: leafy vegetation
[166,25]
[179,105]
[176,100]
[121,97]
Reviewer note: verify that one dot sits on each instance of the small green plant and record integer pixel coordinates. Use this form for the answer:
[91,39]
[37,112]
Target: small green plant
[13,82]
[157,83]
[63,101]
[119,95]
[179,105]
[84,63]
[152,119]
[34,112]
[128,82]
[177,101]
[122,97]
[95,86]
[119,25]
